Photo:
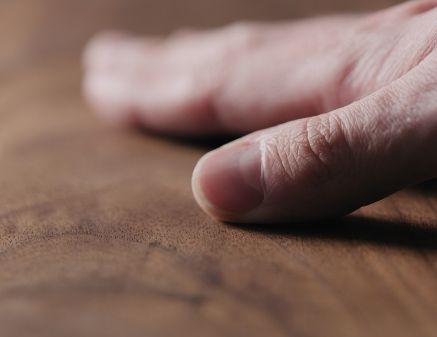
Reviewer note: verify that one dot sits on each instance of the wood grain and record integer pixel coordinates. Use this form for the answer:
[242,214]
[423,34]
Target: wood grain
[100,235]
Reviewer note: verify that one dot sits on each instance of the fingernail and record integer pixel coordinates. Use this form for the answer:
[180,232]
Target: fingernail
[227,181]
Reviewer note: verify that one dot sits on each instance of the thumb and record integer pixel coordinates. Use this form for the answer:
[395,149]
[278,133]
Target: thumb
[327,165]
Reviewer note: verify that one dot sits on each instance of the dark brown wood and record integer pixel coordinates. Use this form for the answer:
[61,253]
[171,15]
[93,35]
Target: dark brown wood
[100,235]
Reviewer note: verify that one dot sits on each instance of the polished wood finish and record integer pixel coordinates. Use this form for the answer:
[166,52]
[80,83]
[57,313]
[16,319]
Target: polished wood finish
[100,235]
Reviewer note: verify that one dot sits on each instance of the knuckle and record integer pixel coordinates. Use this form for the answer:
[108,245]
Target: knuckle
[323,149]
[397,14]
[315,152]
[279,167]
[417,7]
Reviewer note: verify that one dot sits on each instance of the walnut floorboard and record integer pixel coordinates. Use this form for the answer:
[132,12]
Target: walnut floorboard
[100,235]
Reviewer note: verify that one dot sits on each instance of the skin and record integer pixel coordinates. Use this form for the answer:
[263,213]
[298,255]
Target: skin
[336,112]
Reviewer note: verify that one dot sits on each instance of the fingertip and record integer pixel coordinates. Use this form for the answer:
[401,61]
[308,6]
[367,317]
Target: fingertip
[105,91]
[197,189]
[109,100]
[226,182]
[203,201]
[101,46]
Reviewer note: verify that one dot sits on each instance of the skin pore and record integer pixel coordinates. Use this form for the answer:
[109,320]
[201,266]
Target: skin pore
[335,112]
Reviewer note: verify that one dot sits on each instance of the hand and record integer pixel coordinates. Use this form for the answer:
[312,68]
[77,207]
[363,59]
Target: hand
[356,96]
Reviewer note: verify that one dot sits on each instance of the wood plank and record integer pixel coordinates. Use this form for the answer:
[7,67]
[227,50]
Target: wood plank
[100,235]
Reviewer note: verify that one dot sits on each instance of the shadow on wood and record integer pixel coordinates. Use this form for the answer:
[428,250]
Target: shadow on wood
[353,228]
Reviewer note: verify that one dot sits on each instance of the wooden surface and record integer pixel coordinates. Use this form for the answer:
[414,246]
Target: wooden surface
[100,235]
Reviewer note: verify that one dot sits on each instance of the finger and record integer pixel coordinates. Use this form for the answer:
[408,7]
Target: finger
[111,62]
[250,76]
[327,165]
[402,11]
[237,79]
